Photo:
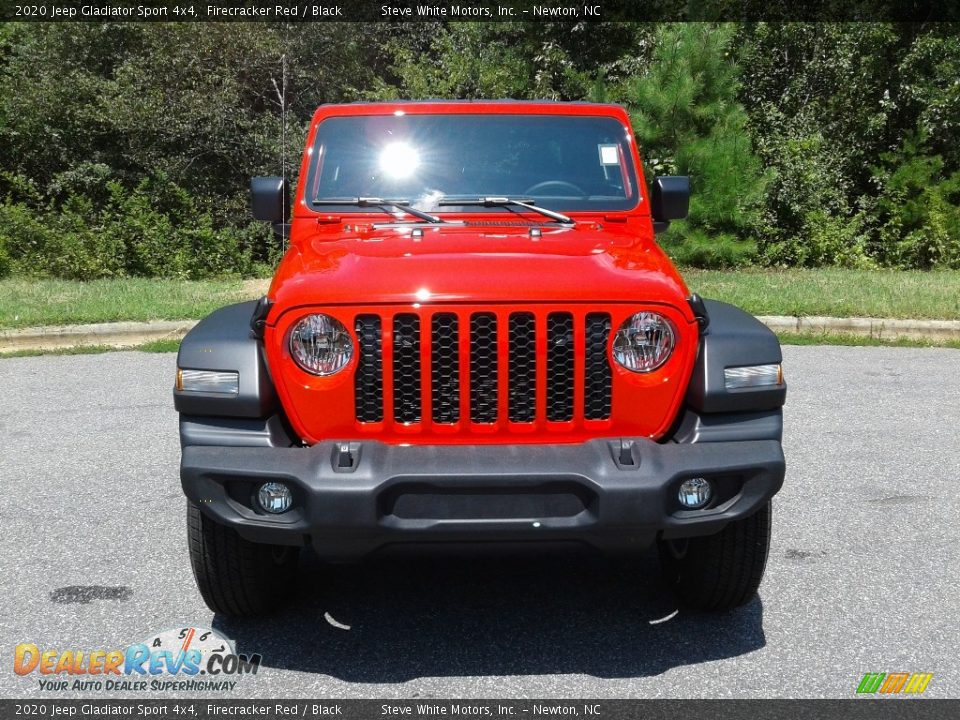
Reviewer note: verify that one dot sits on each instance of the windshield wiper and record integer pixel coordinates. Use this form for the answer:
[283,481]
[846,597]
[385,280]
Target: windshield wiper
[402,205]
[505,201]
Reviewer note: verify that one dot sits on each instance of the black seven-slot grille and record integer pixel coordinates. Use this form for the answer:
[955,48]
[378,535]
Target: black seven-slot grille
[481,378]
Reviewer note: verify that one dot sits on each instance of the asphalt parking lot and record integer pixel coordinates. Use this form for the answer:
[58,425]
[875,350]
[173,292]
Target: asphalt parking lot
[863,573]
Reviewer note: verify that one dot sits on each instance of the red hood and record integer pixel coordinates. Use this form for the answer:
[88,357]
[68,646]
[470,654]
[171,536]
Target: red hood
[590,262]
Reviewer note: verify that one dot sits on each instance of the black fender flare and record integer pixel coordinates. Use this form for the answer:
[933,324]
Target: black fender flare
[733,338]
[225,341]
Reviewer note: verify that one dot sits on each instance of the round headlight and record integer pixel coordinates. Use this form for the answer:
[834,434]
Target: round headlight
[643,342]
[321,344]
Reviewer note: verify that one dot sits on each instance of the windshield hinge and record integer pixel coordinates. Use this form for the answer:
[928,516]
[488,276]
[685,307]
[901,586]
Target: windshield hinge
[258,322]
[699,311]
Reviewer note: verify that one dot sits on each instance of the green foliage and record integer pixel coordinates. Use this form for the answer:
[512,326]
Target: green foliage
[31,241]
[918,210]
[127,148]
[812,223]
[461,68]
[155,230]
[828,103]
[688,121]
[5,264]
[930,92]
[543,60]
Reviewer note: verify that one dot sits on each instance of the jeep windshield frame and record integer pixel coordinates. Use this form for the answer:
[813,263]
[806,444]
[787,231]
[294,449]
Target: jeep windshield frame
[561,163]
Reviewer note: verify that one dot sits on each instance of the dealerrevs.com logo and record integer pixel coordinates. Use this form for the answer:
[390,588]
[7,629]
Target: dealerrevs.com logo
[186,659]
[894,683]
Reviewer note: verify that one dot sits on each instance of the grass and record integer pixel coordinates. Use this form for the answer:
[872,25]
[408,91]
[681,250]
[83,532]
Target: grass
[30,302]
[159,346]
[834,292]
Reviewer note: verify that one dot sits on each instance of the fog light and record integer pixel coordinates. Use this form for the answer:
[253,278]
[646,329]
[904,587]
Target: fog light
[695,493]
[275,497]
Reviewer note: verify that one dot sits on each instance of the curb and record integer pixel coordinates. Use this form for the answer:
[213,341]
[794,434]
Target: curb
[130,334]
[121,334]
[879,328]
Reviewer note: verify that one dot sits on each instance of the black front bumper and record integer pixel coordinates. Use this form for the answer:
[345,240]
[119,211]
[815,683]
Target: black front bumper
[615,495]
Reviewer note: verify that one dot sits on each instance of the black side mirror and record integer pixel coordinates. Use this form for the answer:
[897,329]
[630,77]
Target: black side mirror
[270,199]
[670,198]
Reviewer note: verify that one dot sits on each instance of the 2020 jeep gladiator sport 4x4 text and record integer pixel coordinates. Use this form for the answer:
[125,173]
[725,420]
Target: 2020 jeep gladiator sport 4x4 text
[474,339]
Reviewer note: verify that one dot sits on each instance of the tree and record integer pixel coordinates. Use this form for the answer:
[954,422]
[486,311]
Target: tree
[548,60]
[688,121]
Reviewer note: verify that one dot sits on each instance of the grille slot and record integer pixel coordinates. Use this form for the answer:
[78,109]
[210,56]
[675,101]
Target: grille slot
[483,367]
[560,366]
[406,368]
[368,381]
[523,368]
[597,371]
[445,368]
[538,388]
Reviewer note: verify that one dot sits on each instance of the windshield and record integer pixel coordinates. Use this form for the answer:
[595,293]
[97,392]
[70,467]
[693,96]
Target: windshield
[560,162]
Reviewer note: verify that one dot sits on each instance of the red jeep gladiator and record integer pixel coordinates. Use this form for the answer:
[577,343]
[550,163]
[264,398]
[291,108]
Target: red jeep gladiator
[474,340]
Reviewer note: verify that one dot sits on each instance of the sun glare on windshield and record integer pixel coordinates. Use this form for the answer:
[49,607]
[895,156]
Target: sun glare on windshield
[399,160]
[557,162]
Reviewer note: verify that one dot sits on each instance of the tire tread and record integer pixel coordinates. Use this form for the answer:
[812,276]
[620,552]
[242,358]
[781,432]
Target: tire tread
[722,571]
[235,576]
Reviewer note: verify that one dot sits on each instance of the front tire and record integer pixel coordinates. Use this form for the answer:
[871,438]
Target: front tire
[722,571]
[235,576]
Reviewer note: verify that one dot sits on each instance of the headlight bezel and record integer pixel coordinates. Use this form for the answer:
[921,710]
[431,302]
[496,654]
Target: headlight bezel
[634,322]
[344,352]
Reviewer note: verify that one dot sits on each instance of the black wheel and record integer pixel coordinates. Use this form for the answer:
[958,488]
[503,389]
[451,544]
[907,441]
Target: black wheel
[237,577]
[721,571]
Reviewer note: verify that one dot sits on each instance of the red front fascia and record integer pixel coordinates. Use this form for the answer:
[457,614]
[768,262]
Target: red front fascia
[643,404]
[344,265]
